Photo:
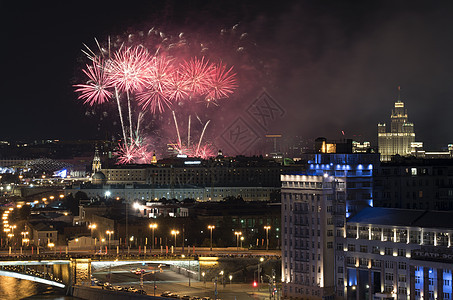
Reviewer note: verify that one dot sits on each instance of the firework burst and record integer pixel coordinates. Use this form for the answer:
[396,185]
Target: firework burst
[148,73]
[222,82]
[126,153]
[95,91]
[129,69]
[197,73]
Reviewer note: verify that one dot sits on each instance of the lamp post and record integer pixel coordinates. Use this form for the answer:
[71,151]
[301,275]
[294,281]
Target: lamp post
[267,236]
[231,277]
[237,233]
[109,232]
[259,270]
[175,233]
[211,227]
[93,227]
[153,227]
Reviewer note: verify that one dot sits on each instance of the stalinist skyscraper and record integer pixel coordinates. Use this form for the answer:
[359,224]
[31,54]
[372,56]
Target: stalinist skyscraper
[401,135]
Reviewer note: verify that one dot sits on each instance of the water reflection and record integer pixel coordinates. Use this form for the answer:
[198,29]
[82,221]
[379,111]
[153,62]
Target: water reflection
[13,288]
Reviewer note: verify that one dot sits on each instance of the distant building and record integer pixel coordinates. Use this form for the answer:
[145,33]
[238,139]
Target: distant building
[418,151]
[395,254]
[401,135]
[43,234]
[415,183]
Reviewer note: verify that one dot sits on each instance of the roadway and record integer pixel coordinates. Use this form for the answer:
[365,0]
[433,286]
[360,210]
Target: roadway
[168,280]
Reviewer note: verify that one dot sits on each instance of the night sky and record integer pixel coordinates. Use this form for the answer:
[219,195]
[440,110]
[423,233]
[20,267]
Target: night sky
[331,65]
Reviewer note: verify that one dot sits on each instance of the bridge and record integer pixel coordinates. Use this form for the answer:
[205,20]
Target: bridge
[67,270]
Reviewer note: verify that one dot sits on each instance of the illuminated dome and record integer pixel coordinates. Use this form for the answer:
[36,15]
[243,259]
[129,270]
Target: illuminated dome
[98,178]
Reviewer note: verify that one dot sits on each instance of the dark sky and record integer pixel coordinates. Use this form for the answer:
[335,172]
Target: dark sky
[335,65]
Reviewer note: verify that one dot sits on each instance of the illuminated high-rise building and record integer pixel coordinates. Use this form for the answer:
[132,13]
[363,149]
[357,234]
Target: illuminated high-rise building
[401,135]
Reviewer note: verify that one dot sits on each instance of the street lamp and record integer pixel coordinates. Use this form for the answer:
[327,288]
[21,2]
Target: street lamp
[259,270]
[237,233]
[267,236]
[153,226]
[109,232]
[93,227]
[211,227]
[231,277]
[175,233]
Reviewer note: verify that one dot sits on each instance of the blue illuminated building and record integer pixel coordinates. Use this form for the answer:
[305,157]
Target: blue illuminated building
[390,253]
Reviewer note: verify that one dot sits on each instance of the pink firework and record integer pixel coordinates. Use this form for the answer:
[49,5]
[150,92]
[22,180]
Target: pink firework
[126,154]
[143,155]
[197,73]
[96,89]
[129,69]
[153,99]
[204,152]
[160,73]
[222,82]
[178,87]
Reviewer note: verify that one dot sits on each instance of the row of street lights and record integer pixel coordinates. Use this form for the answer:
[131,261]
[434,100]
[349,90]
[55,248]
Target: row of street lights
[175,232]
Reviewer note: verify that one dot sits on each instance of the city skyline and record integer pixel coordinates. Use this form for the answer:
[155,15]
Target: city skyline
[346,57]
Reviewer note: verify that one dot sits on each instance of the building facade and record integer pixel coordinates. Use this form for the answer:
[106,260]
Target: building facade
[395,254]
[400,137]
[315,205]
[415,183]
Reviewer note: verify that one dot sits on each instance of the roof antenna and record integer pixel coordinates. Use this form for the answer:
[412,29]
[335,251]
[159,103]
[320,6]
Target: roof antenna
[399,93]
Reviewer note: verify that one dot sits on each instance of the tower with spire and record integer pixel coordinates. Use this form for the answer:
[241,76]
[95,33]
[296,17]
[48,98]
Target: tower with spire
[401,135]
[96,165]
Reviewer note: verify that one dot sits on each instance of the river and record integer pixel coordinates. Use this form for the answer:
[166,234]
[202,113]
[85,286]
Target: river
[13,288]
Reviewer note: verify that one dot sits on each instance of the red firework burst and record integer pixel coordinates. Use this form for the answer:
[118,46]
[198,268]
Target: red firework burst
[129,69]
[178,88]
[197,73]
[143,155]
[222,82]
[160,73]
[95,91]
[153,99]
[126,154]
[204,152]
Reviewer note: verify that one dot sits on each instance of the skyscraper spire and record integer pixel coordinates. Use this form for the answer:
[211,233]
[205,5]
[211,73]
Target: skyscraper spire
[399,93]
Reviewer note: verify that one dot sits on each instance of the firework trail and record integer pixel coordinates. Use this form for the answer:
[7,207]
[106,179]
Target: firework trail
[188,133]
[120,113]
[177,129]
[201,137]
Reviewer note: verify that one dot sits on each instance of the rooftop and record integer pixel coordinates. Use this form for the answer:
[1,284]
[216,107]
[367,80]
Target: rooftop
[404,217]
